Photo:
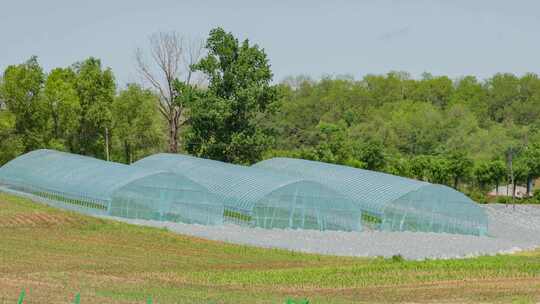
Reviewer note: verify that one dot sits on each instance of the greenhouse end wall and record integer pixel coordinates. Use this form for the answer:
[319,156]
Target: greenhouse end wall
[167,197]
[303,205]
[435,208]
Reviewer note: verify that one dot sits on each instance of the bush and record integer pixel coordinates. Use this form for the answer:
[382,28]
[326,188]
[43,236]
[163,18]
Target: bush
[478,196]
[536,197]
[504,200]
[398,258]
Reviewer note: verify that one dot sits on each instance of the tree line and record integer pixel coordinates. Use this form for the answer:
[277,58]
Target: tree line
[80,109]
[466,133]
[216,99]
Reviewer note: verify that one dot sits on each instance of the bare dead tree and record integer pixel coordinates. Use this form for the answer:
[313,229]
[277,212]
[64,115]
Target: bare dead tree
[171,57]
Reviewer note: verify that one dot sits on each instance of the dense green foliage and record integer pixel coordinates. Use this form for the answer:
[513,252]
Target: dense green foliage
[460,132]
[76,109]
[95,88]
[225,119]
[21,91]
[456,132]
[136,123]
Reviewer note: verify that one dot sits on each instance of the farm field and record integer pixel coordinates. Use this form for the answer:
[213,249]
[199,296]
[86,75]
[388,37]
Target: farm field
[55,254]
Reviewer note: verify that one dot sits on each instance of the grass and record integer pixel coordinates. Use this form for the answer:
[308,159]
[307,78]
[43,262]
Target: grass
[61,197]
[54,255]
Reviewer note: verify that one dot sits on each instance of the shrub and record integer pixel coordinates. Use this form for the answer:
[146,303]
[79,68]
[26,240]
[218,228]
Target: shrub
[535,199]
[504,200]
[478,196]
[397,258]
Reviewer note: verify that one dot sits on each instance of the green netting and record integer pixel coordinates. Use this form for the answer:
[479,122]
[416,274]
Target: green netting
[391,202]
[98,187]
[265,199]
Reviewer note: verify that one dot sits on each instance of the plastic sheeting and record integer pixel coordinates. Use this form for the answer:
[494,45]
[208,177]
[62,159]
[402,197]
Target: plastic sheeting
[261,198]
[391,202]
[98,187]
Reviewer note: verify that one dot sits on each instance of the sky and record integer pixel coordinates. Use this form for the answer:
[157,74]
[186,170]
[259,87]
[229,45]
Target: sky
[313,38]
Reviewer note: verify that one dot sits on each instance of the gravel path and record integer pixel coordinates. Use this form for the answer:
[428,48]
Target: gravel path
[510,229]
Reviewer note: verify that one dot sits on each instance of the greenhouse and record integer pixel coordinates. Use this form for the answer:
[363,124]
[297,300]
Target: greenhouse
[390,202]
[256,197]
[98,187]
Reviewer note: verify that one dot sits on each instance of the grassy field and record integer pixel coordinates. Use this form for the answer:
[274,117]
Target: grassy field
[56,254]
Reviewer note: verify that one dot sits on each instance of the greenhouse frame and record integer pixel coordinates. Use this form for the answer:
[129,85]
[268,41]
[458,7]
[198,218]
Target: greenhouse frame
[98,187]
[260,198]
[390,202]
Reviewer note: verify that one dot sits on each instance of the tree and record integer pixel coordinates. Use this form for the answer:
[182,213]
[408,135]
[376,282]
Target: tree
[503,91]
[398,165]
[330,100]
[498,173]
[414,127]
[525,109]
[387,88]
[482,174]
[372,154]
[334,146]
[436,90]
[420,166]
[431,168]
[136,122]
[489,173]
[531,159]
[459,165]
[11,144]
[171,59]
[226,119]
[470,93]
[21,90]
[439,170]
[95,89]
[64,106]
[520,173]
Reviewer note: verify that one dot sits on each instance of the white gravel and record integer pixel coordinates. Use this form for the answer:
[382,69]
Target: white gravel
[510,229]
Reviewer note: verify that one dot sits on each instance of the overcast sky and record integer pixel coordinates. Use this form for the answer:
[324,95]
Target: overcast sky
[300,37]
